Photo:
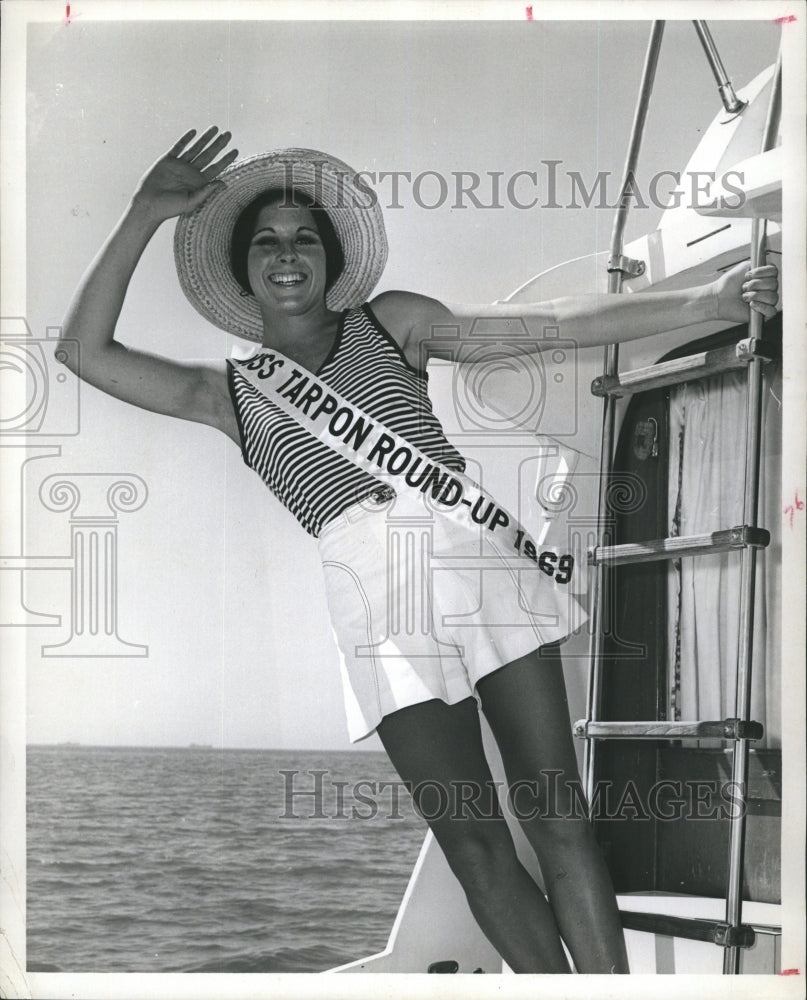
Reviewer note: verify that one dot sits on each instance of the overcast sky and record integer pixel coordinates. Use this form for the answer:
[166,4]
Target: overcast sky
[216,578]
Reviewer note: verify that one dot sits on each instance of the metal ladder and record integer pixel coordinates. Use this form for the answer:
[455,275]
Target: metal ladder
[731,934]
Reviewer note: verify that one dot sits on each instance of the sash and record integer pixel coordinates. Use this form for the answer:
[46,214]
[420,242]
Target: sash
[394,461]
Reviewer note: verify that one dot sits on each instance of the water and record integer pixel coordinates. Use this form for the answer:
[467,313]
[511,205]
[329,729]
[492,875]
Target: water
[200,860]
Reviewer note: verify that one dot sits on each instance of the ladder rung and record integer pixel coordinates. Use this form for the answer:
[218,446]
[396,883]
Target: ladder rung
[722,729]
[740,537]
[692,928]
[694,366]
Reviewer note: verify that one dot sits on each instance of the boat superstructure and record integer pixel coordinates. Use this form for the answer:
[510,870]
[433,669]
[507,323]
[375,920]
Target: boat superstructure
[700,234]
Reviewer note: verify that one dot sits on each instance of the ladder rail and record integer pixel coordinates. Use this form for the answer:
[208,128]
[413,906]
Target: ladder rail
[616,264]
[734,899]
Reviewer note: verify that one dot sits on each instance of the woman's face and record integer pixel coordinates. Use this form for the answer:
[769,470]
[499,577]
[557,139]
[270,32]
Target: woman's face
[286,260]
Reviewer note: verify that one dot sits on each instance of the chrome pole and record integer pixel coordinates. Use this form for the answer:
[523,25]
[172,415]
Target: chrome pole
[615,274]
[731,102]
[742,709]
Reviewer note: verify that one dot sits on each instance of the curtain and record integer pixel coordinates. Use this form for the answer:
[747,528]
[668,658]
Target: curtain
[706,483]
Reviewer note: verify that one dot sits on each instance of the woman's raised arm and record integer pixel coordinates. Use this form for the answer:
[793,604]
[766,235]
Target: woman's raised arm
[178,182]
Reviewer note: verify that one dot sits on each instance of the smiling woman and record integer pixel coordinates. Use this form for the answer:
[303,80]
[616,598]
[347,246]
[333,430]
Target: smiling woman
[337,386]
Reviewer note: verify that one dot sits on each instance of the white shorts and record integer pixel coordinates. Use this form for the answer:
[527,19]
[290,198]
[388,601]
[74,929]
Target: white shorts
[423,607]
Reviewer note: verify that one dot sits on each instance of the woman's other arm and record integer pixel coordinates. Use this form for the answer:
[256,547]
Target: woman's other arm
[589,320]
[177,183]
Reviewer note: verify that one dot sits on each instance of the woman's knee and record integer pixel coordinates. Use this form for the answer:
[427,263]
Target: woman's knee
[544,793]
[552,811]
[562,846]
[481,854]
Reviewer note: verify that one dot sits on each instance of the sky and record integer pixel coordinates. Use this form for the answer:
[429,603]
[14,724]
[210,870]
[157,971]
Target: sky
[215,578]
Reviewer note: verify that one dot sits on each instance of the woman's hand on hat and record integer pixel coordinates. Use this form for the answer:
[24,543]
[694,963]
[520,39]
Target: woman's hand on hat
[185,176]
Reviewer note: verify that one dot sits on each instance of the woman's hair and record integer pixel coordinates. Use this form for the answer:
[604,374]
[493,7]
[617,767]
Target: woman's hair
[244,229]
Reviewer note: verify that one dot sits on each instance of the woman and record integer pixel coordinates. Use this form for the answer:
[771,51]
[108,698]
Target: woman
[332,412]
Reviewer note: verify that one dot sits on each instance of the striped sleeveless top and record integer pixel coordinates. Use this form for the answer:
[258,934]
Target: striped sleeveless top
[367,367]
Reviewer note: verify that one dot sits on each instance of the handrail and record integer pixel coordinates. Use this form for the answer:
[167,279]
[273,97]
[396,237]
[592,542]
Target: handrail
[616,263]
[734,899]
[628,179]
[731,102]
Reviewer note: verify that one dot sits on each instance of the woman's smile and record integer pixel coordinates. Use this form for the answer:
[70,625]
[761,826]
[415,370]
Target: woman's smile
[287,279]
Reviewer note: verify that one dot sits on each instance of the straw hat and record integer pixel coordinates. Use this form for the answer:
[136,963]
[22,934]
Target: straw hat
[202,239]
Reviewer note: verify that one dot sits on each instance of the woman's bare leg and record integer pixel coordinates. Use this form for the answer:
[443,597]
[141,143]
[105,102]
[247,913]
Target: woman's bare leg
[437,750]
[525,704]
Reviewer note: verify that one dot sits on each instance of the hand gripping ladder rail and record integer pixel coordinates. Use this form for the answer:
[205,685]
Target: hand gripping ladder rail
[731,934]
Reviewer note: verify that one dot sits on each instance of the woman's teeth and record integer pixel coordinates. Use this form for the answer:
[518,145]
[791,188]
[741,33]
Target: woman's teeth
[286,279]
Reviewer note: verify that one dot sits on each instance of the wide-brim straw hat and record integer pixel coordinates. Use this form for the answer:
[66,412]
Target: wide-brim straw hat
[202,241]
